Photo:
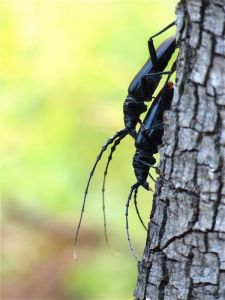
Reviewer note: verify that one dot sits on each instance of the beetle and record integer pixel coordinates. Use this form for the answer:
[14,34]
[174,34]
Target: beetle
[150,134]
[147,141]
[144,84]
[153,123]
[141,89]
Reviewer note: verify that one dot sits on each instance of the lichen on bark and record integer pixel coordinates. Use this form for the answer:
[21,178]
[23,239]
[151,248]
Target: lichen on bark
[184,257]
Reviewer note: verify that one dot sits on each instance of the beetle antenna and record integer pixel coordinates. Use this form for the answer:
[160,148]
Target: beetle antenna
[113,148]
[104,147]
[137,210]
[135,186]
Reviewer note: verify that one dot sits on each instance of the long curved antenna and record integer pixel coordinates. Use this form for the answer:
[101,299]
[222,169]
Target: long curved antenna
[137,210]
[135,186]
[104,147]
[113,148]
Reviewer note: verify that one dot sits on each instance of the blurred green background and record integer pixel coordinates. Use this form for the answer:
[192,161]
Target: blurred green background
[66,66]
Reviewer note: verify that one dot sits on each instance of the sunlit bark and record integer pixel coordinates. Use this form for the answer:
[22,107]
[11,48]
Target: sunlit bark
[184,257]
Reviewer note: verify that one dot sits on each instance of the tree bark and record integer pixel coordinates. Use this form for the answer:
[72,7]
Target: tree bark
[184,257]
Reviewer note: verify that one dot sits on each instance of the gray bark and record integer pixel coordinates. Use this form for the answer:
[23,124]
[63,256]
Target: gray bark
[184,257]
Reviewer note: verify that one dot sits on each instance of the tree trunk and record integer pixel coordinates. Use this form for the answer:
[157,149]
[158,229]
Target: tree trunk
[184,257]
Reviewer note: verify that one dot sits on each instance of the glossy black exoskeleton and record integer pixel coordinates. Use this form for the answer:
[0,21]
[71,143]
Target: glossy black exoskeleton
[148,139]
[150,134]
[140,90]
[145,82]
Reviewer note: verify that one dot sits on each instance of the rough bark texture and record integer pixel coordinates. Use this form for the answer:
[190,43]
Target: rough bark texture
[184,256]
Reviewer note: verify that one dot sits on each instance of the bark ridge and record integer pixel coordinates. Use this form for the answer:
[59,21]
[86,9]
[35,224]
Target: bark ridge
[184,257]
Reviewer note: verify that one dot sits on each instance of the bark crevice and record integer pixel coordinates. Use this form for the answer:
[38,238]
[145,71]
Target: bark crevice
[184,257]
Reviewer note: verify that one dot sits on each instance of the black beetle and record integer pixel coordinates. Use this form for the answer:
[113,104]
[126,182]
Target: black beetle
[141,89]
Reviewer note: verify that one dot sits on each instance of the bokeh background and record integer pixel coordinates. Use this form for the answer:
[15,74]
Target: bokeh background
[66,68]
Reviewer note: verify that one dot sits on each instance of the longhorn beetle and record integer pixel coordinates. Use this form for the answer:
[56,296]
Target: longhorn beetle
[140,90]
[147,141]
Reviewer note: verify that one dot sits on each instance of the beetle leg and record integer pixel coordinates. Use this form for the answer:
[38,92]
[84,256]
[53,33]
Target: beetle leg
[152,75]
[151,47]
[163,30]
[153,54]
[147,164]
[144,78]
[158,73]
[152,178]
[173,68]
